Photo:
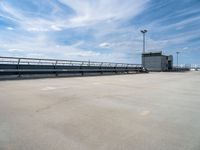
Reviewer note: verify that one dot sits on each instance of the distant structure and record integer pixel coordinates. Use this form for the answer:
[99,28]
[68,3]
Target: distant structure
[156,61]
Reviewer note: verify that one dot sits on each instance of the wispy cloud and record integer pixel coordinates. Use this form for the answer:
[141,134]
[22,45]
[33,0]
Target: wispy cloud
[85,13]
[102,18]
[88,12]
[105,30]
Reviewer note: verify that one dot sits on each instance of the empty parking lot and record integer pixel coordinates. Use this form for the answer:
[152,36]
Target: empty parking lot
[156,111]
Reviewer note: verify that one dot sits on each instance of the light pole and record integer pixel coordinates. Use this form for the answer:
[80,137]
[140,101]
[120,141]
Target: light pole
[177,53]
[143,56]
[143,32]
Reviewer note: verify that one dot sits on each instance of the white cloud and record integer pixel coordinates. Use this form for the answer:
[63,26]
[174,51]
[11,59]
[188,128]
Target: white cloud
[103,18]
[105,45]
[42,47]
[15,50]
[10,28]
[91,12]
[185,48]
[87,13]
[56,28]
[183,23]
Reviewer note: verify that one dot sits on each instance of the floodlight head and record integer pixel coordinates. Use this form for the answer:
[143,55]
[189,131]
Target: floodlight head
[143,31]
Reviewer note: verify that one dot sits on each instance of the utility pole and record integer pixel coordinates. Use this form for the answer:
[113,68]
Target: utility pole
[177,53]
[144,44]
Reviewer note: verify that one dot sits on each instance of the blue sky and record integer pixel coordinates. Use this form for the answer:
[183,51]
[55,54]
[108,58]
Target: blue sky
[99,30]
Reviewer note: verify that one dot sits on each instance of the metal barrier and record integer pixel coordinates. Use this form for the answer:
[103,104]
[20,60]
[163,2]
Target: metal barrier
[180,69]
[30,66]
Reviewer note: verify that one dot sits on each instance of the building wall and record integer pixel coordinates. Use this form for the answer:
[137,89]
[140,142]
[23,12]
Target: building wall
[164,63]
[152,63]
[170,61]
[155,61]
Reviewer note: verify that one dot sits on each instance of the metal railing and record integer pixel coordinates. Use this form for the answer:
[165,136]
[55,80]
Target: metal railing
[57,62]
[31,66]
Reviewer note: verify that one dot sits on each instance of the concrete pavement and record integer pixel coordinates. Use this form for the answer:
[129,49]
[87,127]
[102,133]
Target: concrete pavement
[156,111]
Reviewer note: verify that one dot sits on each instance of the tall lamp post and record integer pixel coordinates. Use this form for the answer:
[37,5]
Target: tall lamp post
[143,32]
[177,53]
[143,57]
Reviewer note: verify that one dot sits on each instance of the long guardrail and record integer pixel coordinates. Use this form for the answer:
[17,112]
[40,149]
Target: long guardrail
[31,66]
